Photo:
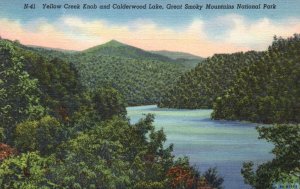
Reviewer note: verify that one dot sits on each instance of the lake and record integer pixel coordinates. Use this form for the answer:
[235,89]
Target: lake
[209,143]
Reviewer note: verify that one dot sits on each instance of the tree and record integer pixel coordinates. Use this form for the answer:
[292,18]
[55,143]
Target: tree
[58,83]
[183,176]
[25,136]
[43,135]
[95,159]
[6,151]
[19,94]
[108,103]
[114,154]
[27,171]
[286,164]
[213,179]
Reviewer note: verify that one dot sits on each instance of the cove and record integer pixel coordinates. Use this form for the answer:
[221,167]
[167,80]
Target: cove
[209,143]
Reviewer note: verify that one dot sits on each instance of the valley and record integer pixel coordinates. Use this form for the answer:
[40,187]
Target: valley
[66,112]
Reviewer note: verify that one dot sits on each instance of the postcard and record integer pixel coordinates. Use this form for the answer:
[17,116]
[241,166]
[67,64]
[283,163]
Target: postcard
[149,94]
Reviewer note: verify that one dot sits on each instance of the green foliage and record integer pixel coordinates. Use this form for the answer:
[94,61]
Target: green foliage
[43,135]
[27,171]
[199,87]
[108,103]
[19,94]
[268,89]
[2,135]
[25,136]
[141,77]
[140,81]
[254,86]
[114,154]
[58,83]
[96,106]
[285,167]
[92,161]
[150,185]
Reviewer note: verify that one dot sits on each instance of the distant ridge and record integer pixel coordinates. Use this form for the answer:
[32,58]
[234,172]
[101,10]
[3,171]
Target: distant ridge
[115,48]
[103,49]
[177,55]
[51,49]
[118,49]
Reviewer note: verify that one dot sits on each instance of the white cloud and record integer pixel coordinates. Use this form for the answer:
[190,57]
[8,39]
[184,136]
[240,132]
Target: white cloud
[259,34]
[237,34]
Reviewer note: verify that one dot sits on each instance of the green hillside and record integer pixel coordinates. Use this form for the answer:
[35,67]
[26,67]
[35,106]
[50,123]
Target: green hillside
[140,76]
[199,87]
[268,90]
[254,86]
[115,48]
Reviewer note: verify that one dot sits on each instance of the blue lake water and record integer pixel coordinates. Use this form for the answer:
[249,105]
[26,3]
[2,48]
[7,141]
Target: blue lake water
[209,143]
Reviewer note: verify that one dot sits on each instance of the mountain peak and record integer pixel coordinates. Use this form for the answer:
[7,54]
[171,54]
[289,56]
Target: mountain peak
[113,43]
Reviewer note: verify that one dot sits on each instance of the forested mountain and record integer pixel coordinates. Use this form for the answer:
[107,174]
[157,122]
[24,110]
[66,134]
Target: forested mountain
[255,86]
[268,90]
[187,60]
[141,76]
[199,87]
[140,81]
[118,49]
[178,55]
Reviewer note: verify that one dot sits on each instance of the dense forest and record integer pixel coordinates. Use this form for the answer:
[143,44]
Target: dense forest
[140,81]
[141,76]
[199,87]
[268,90]
[58,134]
[254,86]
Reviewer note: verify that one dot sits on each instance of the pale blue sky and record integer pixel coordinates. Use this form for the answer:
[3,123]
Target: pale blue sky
[210,25]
